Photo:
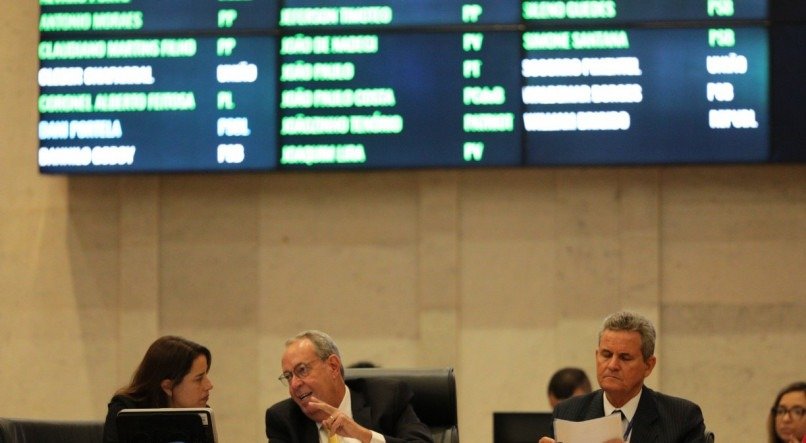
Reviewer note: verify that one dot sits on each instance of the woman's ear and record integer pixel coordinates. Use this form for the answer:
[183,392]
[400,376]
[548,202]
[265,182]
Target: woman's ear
[167,387]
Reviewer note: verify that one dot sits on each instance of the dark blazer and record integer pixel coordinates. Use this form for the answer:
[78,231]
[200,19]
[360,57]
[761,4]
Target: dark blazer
[383,406]
[117,404]
[659,418]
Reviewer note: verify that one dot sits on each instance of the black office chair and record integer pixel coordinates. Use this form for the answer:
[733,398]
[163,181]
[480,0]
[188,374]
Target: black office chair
[434,399]
[50,431]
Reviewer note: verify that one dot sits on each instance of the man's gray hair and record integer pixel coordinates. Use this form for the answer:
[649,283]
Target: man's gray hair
[323,343]
[632,321]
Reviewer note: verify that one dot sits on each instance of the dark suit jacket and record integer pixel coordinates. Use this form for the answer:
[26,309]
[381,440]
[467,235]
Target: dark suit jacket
[659,418]
[117,404]
[380,405]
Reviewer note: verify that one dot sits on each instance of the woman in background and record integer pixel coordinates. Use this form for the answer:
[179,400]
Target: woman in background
[786,423]
[172,374]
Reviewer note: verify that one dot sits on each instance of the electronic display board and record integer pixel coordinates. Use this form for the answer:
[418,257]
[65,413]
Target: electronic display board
[380,100]
[157,104]
[222,85]
[633,96]
[150,85]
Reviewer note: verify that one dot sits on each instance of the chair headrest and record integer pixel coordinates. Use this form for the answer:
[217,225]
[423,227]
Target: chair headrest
[434,390]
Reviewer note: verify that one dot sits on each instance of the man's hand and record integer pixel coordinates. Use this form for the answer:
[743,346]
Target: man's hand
[339,423]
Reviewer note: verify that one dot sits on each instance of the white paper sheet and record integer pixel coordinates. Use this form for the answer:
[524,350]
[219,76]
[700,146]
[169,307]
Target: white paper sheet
[589,431]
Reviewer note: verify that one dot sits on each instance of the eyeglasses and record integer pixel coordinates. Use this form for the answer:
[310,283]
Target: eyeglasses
[301,371]
[796,412]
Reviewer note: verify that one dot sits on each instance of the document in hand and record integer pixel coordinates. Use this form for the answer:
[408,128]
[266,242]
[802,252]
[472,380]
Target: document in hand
[588,431]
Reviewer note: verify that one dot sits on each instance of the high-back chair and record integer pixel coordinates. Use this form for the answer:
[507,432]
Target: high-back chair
[50,431]
[434,399]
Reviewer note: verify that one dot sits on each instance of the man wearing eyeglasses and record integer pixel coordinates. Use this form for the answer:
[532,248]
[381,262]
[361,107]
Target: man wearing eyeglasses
[322,408]
[624,358]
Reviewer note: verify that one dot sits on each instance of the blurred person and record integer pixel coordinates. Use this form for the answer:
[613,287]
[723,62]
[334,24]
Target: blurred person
[624,359]
[363,364]
[567,383]
[172,374]
[324,408]
[786,422]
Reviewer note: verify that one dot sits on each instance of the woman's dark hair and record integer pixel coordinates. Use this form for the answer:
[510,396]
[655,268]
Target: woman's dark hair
[169,357]
[799,386]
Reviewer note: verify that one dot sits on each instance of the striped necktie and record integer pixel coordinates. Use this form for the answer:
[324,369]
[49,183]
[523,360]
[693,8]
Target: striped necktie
[626,426]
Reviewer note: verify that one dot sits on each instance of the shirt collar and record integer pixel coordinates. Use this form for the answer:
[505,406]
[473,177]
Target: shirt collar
[628,408]
[346,406]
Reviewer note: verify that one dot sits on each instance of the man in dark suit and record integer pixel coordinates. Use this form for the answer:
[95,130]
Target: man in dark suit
[323,408]
[624,358]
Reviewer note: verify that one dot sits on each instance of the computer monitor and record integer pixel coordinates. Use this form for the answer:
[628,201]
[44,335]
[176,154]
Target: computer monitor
[166,425]
[521,427]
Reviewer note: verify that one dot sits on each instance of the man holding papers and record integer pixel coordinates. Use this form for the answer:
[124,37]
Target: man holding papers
[624,358]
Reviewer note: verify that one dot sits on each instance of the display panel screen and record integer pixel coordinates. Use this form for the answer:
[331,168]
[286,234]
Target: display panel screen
[157,104]
[370,100]
[633,96]
[204,85]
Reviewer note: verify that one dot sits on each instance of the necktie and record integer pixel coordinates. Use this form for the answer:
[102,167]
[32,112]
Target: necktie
[334,439]
[626,426]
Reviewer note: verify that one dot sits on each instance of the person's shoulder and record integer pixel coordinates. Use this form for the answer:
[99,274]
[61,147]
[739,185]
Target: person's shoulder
[387,386]
[380,391]
[283,407]
[582,399]
[120,401]
[672,403]
[375,384]
[577,403]
[671,399]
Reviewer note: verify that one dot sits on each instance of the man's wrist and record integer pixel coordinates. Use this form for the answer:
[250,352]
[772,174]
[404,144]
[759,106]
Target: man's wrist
[376,437]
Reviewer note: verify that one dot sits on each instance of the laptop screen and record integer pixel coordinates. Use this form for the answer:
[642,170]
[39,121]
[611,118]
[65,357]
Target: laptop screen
[167,425]
[521,427]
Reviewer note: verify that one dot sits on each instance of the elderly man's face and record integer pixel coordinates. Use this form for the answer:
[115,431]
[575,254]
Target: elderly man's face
[319,378]
[620,367]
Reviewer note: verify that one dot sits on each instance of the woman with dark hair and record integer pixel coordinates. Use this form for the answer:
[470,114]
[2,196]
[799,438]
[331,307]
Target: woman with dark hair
[172,374]
[786,423]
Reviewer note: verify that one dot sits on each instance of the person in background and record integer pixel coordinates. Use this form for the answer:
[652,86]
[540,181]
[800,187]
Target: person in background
[363,364]
[173,374]
[624,358]
[786,422]
[323,408]
[567,383]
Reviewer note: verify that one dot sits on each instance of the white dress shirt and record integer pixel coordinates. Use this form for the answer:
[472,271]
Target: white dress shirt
[346,407]
[628,409]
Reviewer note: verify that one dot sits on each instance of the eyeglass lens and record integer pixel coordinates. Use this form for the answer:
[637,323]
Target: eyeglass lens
[794,412]
[302,370]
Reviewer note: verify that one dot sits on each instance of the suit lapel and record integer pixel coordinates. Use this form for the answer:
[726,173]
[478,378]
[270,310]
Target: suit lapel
[310,433]
[645,417]
[596,407]
[362,412]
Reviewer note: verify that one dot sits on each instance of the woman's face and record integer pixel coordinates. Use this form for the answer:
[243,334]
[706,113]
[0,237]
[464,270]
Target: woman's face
[791,425]
[194,389]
